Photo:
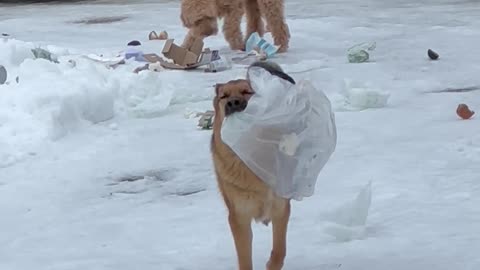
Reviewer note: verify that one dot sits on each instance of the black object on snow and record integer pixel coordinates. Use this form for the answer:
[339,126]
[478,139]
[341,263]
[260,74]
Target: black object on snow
[433,55]
[3,75]
[134,43]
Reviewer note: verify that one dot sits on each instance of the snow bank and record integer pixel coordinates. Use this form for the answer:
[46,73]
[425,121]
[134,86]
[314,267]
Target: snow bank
[52,100]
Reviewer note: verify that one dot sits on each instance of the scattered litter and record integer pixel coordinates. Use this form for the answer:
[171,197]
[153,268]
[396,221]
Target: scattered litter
[44,54]
[112,62]
[187,59]
[361,96]
[152,57]
[433,55]
[5,36]
[359,53]
[141,68]
[156,67]
[243,56]
[219,65]
[260,45]
[3,74]
[247,59]
[134,43]
[206,119]
[134,51]
[154,36]
[175,57]
[464,112]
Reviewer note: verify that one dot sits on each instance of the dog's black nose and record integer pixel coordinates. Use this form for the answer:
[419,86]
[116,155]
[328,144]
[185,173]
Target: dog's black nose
[235,105]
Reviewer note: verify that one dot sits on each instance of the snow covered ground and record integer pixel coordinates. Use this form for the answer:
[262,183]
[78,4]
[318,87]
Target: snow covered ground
[100,169]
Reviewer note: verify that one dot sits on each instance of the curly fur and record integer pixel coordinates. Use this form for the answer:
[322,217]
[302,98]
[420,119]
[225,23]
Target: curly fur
[200,17]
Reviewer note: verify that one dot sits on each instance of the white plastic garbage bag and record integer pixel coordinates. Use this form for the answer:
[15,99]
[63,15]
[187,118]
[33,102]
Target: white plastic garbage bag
[285,135]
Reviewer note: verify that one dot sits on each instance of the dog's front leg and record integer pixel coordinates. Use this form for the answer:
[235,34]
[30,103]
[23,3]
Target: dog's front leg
[189,40]
[232,30]
[280,225]
[242,235]
[254,18]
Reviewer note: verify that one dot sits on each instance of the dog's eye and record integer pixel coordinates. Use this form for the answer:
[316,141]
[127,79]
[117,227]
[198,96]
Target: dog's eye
[247,92]
[224,96]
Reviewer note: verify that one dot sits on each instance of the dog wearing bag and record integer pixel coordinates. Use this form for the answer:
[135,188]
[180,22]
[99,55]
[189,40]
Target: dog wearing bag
[252,141]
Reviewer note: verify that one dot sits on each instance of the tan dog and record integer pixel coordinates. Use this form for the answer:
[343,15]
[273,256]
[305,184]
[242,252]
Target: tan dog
[246,196]
[200,17]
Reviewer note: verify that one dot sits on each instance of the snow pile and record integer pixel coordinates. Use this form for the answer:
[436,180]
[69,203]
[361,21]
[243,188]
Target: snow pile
[52,100]
[348,222]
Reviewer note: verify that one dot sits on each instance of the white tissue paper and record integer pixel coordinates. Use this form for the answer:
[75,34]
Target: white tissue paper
[285,135]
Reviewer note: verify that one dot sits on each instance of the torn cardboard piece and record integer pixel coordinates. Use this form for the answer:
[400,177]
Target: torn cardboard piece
[187,59]
[153,57]
[150,59]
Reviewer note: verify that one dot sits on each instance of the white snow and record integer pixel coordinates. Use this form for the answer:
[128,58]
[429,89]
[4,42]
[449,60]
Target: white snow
[100,169]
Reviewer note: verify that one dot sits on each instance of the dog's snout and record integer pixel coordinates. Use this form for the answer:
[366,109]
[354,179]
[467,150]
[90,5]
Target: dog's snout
[235,105]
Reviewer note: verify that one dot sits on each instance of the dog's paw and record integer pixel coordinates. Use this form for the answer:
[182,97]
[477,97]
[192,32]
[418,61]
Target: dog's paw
[238,47]
[274,265]
[282,49]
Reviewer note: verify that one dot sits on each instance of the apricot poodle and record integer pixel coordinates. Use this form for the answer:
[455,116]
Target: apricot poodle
[200,17]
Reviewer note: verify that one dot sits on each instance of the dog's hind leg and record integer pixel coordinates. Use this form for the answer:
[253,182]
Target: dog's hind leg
[240,226]
[280,224]
[275,17]
[231,27]
[254,18]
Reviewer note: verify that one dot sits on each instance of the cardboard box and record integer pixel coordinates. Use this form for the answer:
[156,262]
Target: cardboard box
[153,57]
[186,59]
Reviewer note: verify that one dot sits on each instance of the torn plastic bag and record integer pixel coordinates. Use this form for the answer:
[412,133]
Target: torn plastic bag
[285,135]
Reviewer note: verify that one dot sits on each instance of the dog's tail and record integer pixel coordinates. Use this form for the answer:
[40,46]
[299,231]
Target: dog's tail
[273,68]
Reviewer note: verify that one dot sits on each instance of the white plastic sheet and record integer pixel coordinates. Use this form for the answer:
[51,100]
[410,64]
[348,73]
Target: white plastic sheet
[285,135]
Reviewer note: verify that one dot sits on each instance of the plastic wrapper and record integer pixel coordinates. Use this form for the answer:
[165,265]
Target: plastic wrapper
[359,53]
[286,134]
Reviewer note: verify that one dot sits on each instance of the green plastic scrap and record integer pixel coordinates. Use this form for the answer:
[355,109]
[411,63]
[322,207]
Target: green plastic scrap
[44,54]
[359,53]
[206,120]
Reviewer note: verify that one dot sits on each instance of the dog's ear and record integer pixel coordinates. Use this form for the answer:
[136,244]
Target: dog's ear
[218,88]
[274,69]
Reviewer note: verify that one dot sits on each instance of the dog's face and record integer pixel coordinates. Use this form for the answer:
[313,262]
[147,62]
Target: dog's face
[206,27]
[232,97]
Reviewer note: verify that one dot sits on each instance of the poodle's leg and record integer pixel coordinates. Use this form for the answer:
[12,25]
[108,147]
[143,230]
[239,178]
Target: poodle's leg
[254,18]
[273,10]
[188,41]
[203,28]
[231,27]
